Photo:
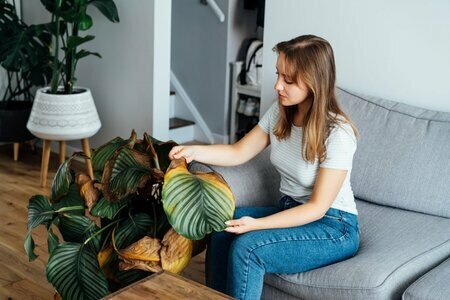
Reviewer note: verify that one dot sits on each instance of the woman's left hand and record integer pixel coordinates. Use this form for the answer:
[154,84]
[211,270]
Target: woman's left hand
[242,225]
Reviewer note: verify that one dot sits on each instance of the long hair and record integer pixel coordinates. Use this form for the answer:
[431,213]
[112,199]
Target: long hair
[310,58]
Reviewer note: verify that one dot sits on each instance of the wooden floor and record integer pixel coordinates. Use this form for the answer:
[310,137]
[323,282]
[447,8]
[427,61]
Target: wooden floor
[19,180]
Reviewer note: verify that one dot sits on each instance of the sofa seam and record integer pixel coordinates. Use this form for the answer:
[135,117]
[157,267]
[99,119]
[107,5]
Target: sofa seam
[393,110]
[370,288]
[424,276]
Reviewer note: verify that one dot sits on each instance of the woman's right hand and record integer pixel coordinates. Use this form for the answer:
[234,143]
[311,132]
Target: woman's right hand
[188,152]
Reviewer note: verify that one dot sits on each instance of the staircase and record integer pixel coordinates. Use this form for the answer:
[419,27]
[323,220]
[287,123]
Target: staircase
[181,130]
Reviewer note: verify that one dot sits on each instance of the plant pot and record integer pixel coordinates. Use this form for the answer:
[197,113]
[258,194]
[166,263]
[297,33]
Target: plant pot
[13,121]
[64,117]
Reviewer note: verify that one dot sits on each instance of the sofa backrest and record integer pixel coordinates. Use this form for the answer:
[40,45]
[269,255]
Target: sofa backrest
[403,154]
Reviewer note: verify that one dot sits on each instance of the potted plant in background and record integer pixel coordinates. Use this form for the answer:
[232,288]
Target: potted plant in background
[24,54]
[141,214]
[64,111]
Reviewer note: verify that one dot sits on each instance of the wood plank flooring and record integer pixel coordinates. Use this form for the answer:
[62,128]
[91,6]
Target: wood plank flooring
[19,180]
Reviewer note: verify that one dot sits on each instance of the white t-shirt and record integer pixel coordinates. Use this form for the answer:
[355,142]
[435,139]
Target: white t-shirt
[297,175]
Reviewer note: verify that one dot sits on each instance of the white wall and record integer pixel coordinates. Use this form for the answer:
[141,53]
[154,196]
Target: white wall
[398,50]
[131,83]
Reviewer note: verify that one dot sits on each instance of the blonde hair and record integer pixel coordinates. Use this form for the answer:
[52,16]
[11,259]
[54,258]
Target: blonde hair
[310,59]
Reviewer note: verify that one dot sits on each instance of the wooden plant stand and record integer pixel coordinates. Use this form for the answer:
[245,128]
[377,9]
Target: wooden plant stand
[62,158]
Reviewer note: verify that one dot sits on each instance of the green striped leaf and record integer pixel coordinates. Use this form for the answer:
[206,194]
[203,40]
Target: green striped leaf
[74,271]
[106,152]
[52,240]
[132,229]
[126,172]
[71,199]
[78,229]
[63,179]
[106,209]
[39,212]
[196,204]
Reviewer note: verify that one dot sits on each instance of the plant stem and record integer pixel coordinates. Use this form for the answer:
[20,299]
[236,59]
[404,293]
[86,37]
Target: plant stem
[70,208]
[55,74]
[101,230]
[154,220]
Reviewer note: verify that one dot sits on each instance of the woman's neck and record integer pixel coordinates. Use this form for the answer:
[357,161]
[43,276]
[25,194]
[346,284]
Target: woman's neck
[302,109]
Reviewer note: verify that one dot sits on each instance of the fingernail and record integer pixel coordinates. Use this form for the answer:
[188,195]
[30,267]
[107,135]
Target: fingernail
[227,223]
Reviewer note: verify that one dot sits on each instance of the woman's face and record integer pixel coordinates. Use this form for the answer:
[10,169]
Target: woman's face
[289,92]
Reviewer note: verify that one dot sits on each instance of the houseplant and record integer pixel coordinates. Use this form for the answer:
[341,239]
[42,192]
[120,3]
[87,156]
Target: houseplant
[24,54]
[130,220]
[64,111]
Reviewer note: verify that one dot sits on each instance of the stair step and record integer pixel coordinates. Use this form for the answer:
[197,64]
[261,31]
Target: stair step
[178,123]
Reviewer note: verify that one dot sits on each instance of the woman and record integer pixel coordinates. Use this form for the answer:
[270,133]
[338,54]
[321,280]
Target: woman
[312,146]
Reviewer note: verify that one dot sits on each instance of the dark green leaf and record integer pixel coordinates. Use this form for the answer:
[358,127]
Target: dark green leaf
[52,240]
[107,8]
[74,271]
[106,209]
[84,22]
[128,171]
[75,41]
[105,152]
[62,181]
[29,246]
[78,229]
[83,53]
[132,229]
[39,212]
[71,199]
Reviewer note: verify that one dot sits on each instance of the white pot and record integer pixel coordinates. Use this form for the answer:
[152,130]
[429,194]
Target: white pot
[63,117]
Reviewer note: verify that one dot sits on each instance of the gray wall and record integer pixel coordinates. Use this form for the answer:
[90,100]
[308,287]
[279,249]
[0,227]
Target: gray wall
[398,50]
[124,83]
[198,57]
[202,48]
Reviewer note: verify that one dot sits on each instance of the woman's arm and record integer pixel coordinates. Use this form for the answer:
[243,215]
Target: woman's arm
[327,186]
[225,155]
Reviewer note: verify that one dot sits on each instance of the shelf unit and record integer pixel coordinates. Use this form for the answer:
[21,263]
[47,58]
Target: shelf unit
[236,90]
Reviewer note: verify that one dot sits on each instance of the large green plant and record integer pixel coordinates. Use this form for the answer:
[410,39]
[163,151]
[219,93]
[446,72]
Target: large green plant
[24,54]
[140,214]
[69,18]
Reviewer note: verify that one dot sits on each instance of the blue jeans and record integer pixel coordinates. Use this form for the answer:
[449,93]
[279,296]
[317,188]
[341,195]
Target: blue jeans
[236,264]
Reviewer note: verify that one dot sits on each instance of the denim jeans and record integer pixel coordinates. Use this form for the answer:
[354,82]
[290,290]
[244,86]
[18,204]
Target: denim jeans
[236,264]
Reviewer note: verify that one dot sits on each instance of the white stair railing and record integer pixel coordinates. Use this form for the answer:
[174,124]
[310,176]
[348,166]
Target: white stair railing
[215,8]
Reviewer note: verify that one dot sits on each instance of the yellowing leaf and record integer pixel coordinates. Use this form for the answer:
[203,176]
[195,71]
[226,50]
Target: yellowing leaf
[196,204]
[176,252]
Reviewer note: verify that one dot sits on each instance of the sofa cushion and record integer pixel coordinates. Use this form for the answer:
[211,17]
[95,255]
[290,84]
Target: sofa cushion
[403,156]
[433,285]
[397,246]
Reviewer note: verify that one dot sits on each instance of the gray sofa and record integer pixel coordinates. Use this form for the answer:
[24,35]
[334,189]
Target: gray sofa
[401,179]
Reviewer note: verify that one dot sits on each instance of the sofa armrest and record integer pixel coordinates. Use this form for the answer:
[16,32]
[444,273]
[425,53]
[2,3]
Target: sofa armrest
[432,285]
[255,183]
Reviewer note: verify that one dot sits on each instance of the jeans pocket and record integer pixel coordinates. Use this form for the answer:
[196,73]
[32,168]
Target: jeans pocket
[333,217]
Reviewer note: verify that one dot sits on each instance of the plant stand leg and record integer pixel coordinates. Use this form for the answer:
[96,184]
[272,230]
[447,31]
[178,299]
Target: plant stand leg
[87,152]
[16,151]
[44,163]
[62,151]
